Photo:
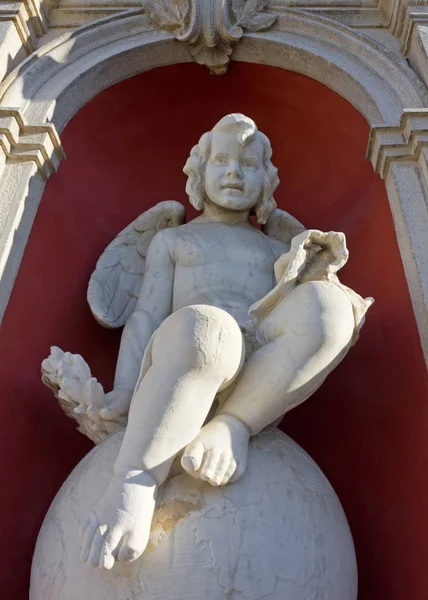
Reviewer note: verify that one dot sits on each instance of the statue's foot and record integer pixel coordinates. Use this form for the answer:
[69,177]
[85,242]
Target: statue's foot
[219,453]
[118,527]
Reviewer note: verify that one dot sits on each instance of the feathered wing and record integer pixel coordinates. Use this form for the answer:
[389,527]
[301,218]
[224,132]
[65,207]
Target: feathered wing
[116,282]
[282,226]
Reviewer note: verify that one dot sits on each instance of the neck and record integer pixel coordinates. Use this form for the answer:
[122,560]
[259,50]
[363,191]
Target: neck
[219,214]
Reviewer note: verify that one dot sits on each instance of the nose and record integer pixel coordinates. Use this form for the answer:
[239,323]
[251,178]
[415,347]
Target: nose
[233,169]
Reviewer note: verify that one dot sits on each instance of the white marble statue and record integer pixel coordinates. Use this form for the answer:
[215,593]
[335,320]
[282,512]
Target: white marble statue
[227,327]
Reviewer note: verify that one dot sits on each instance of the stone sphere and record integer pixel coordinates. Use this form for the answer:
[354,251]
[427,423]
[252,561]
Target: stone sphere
[279,533]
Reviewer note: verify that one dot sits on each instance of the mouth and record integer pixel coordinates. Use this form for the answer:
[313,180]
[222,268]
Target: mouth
[233,186]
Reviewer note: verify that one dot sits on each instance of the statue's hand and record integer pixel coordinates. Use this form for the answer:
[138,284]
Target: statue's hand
[118,403]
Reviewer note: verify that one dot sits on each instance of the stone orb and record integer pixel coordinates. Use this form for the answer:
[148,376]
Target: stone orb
[279,533]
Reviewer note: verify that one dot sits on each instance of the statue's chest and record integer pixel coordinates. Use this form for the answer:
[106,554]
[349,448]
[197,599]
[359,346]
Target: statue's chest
[226,250]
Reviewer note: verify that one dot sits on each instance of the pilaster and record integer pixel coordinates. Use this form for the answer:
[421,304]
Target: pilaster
[400,155]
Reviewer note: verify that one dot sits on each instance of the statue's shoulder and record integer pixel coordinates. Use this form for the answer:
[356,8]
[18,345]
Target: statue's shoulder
[183,232]
[168,236]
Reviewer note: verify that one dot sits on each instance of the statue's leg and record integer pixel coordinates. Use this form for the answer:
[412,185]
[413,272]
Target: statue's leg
[305,337]
[194,353]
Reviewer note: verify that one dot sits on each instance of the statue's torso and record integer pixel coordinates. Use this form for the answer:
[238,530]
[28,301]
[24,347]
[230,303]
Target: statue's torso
[228,266]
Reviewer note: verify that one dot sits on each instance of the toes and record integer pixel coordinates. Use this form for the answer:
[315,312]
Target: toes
[87,533]
[209,464]
[97,544]
[240,469]
[109,546]
[131,549]
[221,469]
[212,465]
[231,469]
[192,458]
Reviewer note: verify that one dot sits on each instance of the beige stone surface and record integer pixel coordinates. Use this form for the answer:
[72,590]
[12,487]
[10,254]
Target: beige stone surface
[279,532]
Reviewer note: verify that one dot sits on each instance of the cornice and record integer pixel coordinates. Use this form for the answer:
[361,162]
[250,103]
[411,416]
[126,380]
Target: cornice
[70,17]
[352,13]
[406,142]
[402,16]
[38,143]
[29,18]
[70,14]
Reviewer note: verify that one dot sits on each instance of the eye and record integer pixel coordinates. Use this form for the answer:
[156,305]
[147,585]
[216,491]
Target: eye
[220,159]
[248,163]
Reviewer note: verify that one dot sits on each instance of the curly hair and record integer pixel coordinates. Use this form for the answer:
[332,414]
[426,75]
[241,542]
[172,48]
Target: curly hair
[246,130]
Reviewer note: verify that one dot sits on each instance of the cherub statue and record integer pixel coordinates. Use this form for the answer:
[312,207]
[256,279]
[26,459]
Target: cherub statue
[227,327]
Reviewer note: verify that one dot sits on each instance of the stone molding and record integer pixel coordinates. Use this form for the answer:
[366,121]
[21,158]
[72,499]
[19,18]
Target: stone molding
[375,81]
[405,142]
[402,17]
[354,13]
[16,13]
[29,18]
[38,143]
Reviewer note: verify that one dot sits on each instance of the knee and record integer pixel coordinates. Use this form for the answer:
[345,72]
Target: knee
[200,337]
[318,312]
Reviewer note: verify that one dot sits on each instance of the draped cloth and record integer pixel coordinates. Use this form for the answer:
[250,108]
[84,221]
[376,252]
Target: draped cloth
[313,256]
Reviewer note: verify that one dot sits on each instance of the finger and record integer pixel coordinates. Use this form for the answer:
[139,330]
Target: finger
[220,471]
[209,464]
[114,410]
[110,544]
[97,544]
[111,426]
[94,396]
[229,472]
[192,457]
[84,527]
[87,537]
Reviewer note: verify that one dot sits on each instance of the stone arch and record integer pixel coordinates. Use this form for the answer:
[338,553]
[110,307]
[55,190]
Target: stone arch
[39,97]
[54,82]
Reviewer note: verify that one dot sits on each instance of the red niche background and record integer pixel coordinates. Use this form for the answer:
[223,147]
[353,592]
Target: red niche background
[367,427]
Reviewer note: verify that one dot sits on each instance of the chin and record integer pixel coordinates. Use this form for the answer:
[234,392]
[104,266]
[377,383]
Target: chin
[234,203]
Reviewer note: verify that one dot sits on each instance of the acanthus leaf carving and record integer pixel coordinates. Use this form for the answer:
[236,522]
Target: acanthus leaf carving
[252,15]
[210,27]
[169,15]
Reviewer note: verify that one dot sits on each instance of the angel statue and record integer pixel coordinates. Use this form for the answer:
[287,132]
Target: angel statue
[226,328]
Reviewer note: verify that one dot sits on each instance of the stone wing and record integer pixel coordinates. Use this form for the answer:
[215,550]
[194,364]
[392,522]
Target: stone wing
[116,282]
[282,226]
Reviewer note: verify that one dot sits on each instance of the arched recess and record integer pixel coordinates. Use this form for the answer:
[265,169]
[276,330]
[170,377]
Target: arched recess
[45,91]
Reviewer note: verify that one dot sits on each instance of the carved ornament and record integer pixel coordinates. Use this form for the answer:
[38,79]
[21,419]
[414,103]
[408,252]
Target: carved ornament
[210,27]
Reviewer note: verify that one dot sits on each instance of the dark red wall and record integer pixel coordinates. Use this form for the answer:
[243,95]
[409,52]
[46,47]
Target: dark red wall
[368,425]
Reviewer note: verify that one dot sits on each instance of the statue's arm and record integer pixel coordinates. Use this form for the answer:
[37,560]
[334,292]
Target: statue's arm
[153,306]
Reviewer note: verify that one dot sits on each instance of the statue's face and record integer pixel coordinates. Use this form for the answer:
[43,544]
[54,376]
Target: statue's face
[234,173]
